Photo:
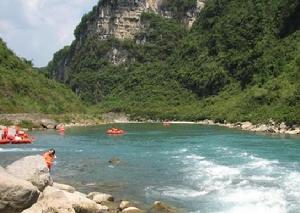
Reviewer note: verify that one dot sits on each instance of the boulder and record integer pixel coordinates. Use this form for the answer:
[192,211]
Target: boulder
[100,197]
[59,201]
[159,207]
[82,204]
[32,169]
[132,210]
[124,204]
[64,187]
[15,194]
[48,123]
[52,200]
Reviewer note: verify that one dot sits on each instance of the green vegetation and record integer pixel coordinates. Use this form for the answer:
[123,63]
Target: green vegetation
[24,89]
[240,61]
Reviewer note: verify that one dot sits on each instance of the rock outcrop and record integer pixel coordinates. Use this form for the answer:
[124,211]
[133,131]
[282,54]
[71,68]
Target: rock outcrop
[32,169]
[15,194]
[122,18]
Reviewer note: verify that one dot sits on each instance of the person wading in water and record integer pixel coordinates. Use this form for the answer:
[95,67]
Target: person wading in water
[49,157]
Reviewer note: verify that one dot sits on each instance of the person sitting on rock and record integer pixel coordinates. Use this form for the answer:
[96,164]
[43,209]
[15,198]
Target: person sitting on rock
[49,157]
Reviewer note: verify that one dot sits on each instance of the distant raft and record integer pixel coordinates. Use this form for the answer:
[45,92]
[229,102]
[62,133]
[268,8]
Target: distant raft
[14,136]
[115,131]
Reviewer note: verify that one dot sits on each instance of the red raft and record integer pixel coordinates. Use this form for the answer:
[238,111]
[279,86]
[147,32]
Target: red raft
[115,131]
[14,136]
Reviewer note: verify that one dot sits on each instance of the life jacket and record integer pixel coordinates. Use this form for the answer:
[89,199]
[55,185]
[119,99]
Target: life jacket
[48,159]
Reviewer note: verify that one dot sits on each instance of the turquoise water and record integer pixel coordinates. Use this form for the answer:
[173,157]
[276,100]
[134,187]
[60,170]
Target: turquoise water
[193,167]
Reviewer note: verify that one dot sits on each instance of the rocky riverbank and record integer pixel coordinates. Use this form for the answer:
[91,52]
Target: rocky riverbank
[44,121]
[26,186]
[271,127]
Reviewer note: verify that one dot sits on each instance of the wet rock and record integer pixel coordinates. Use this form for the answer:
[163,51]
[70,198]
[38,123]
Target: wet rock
[132,210]
[100,197]
[32,169]
[114,161]
[64,187]
[124,204]
[160,207]
[15,194]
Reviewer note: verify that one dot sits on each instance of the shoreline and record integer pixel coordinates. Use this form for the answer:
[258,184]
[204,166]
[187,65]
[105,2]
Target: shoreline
[37,121]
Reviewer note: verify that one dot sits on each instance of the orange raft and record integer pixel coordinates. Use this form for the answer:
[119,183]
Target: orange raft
[115,131]
[14,136]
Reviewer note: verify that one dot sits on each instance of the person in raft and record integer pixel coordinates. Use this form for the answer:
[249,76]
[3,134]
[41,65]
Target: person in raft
[49,157]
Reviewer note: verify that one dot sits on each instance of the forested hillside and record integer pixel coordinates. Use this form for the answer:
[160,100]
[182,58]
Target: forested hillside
[240,61]
[24,89]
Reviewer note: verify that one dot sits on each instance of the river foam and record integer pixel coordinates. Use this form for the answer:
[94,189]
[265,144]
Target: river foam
[21,150]
[255,185]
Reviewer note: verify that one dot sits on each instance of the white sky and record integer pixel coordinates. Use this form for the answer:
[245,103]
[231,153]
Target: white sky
[35,29]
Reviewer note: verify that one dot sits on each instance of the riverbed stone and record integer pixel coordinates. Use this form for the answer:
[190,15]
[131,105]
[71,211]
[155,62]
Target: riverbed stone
[32,169]
[100,197]
[15,194]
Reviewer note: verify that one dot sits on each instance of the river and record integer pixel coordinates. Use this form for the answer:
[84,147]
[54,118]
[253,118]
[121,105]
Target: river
[195,168]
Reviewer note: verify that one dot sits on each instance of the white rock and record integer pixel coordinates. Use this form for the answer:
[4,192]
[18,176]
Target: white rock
[247,125]
[124,204]
[32,169]
[132,210]
[64,187]
[15,194]
[100,197]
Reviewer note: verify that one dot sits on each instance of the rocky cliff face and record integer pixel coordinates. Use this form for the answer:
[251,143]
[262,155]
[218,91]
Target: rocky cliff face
[122,18]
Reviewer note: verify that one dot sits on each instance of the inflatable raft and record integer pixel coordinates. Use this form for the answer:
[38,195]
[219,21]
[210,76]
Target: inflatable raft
[14,136]
[115,131]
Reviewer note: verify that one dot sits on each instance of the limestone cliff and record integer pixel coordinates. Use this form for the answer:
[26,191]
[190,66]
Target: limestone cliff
[122,18]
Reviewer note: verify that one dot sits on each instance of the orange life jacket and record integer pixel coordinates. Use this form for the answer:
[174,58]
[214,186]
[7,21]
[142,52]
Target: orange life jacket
[48,159]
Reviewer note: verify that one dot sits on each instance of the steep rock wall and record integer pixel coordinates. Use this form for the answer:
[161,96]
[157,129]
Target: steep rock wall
[122,18]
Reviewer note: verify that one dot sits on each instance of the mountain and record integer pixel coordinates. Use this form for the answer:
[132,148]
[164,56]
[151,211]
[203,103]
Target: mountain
[24,89]
[231,60]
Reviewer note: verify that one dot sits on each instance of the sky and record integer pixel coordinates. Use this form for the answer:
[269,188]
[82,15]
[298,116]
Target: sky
[36,29]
